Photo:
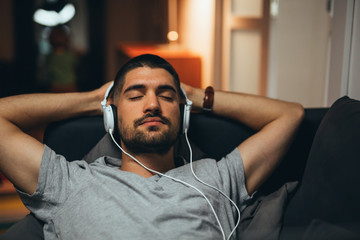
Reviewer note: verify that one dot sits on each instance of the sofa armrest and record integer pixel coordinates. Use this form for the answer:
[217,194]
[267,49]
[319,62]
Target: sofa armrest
[293,164]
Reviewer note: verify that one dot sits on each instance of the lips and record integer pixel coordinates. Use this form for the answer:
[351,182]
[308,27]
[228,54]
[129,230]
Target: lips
[152,121]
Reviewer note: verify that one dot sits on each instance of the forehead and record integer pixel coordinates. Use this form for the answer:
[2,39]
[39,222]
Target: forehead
[149,77]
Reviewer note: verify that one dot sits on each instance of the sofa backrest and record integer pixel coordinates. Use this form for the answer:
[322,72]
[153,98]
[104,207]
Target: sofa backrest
[214,136]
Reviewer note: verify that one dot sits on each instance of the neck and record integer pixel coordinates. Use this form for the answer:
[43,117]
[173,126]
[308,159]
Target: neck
[158,162]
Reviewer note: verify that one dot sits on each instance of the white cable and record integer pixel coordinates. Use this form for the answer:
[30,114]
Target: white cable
[222,193]
[174,179]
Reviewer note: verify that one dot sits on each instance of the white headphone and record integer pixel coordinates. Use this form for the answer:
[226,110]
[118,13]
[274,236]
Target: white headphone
[110,117]
[109,113]
[187,110]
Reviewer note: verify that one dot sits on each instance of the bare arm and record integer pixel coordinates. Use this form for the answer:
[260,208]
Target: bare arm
[276,122]
[20,153]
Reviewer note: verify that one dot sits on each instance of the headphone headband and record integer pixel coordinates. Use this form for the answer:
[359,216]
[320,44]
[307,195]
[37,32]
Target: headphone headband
[188,101]
[103,102]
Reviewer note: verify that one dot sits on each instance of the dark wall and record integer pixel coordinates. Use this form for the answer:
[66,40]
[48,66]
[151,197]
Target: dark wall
[92,73]
[18,76]
[135,21]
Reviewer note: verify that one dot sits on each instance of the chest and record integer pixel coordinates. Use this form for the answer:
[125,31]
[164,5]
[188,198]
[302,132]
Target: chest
[133,206]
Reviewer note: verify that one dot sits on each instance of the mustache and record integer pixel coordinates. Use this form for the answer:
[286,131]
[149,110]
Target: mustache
[140,121]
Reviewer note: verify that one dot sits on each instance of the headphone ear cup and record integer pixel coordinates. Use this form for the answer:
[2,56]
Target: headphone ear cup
[186,118]
[110,118]
[187,111]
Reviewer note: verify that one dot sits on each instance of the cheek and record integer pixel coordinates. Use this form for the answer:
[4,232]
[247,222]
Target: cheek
[125,118]
[176,118]
[126,112]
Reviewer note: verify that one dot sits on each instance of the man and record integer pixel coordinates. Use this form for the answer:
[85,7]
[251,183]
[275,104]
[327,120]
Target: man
[68,197]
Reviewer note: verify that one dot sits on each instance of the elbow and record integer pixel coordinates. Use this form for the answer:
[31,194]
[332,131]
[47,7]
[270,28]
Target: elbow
[297,112]
[300,110]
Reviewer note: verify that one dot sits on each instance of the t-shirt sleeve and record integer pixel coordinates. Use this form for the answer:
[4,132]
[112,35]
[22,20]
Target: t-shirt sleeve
[54,185]
[231,169]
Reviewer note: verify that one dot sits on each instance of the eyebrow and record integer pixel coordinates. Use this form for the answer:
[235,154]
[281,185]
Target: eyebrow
[167,87]
[134,87]
[142,86]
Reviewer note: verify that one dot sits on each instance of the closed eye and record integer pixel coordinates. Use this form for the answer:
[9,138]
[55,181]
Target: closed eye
[135,97]
[167,98]
[167,93]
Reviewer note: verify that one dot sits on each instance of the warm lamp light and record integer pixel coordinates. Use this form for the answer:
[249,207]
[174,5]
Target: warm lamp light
[172,36]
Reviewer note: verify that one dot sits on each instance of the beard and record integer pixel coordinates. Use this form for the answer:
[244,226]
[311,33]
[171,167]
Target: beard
[150,139]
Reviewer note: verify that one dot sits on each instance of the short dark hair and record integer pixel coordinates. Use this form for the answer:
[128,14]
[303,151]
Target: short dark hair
[145,60]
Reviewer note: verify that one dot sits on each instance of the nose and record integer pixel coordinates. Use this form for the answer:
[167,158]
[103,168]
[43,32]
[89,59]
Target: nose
[152,103]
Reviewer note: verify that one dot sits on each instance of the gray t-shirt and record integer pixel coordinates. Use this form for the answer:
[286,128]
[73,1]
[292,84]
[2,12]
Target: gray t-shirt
[77,200]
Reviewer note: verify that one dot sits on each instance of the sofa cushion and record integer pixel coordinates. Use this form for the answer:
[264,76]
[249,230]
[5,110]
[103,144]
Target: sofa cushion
[329,190]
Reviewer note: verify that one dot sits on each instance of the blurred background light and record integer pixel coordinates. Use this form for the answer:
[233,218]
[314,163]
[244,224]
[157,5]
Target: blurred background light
[172,36]
[53,13]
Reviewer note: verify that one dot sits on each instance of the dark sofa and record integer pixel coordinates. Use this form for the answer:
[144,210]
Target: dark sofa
[211,136]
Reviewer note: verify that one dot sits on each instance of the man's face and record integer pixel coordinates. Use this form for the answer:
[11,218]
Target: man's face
[148,111]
